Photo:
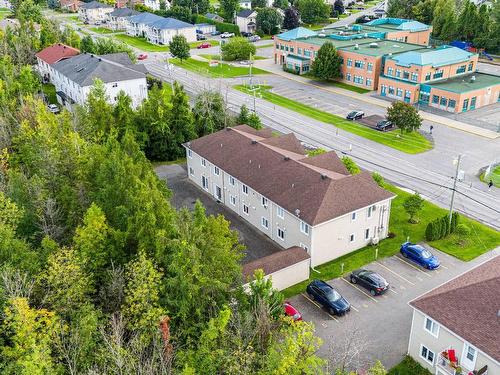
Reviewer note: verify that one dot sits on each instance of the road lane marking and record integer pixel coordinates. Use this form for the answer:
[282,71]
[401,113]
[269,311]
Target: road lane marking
[411,265]
[319,307]
[395,273]
[355,287]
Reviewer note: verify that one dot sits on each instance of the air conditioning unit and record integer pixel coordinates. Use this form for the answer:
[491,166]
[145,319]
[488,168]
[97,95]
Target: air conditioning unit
[375,240]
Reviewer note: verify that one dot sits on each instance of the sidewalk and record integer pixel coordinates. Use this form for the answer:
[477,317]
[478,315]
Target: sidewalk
[276,69]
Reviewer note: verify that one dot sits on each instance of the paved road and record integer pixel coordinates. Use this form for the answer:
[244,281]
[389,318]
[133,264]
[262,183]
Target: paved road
[352,18]
[429,173]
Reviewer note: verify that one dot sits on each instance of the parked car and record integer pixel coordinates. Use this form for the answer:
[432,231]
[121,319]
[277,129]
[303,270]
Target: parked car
[226,35]
[370,280]
[215,33]
[384,125]
[245,34]
[53,108]
[292,311]
[254,38]
[201,37]
[198,31]
[419,255]
[142,56]
[355,115]
[204,45]
[328,297]
[272,37]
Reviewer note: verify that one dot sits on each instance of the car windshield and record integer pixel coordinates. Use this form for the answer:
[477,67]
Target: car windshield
[426,254]
[353,113]
[332,295]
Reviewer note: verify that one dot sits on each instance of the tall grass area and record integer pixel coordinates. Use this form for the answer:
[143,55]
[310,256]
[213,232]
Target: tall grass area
[411,143]
[482,239]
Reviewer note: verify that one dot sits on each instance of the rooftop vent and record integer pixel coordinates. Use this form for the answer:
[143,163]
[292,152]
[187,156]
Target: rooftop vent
[323,176]
[373,45]
[321,35]
[221,145]
[254,142]
[80,69]
[366,35]
[250,161]
[356,46]
[297,212]
[287,158]
[92,55]
[473,78]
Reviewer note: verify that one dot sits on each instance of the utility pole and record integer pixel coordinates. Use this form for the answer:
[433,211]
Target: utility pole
[454,188]
[251,63]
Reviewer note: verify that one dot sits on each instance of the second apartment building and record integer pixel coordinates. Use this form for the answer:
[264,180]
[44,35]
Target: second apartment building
[311,202]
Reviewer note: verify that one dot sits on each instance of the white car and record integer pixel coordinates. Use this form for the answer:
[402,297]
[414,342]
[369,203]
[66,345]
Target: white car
[53,108]
[226,35]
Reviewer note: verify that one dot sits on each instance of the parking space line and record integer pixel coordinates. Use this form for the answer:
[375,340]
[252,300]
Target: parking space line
[391,290]
[355,287]
[411,265]
[354,308]
[395,273]
[319,307]
[441,266]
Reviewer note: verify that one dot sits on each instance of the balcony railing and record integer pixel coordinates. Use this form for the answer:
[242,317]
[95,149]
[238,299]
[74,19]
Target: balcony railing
[452,368]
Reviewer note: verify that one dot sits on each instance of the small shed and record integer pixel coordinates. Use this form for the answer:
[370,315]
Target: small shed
[204,28]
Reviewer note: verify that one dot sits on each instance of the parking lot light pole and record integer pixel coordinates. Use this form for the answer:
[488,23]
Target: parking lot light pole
[454,189]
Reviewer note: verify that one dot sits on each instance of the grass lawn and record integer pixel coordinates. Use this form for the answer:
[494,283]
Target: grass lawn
[264,45]
[408,366]
[139,43]
[412,143]
[74,18]
[482,239]
[217,57]
[50,91]
[493,176]
[211,41]
[316,26]
[101,30]
[221,70]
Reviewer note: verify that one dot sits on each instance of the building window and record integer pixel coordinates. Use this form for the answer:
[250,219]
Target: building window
[465,105]
[428,76]
[368,82]
[427,355]
[367,233]
[461,69]
[204,182]
[369,211]
[351,238]
[473,103]
[390,71]
[398,73]
[443,101]
[291,49]
[245,189]
[407,94]
[438,74]
[391,90]
[469,356]
[299,51]
[264,202]
[232,199]
[245,209]
[281,234]
[348,76]
[217,171]
[353,216]
[369,67]
[191,171]
[231,180]
[190,153]
[304,228]
[359,64]
[203,162]
[399,92]
[264,222]
[414,77]
[435,99]
[349,62]
[280,212]
[406,75]
[432,327]
[307,53]
[358,79]
[469,68]
[451,103]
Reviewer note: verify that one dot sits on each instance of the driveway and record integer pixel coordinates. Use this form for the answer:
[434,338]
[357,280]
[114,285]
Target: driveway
[382,322]
[185,194]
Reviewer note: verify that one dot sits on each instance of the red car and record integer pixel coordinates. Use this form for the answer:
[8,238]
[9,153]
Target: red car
[204,45]
[142,56]
[292,312]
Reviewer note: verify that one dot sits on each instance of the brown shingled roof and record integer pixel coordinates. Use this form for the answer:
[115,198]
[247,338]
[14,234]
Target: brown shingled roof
[469,306]
[316,193]
[57,52]
[275,262]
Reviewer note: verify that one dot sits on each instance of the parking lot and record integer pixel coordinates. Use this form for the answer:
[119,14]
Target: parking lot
[383,321]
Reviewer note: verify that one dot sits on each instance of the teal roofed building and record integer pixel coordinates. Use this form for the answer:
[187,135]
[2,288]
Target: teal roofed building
[399,24]
[299,32]
[442,56]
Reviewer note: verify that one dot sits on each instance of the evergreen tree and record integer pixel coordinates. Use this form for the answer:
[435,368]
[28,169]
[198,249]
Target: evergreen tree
[181,123]
[328,62]
[99,113]
[243,116]
[209,113]
[87,44]
[229,9]
[254,121]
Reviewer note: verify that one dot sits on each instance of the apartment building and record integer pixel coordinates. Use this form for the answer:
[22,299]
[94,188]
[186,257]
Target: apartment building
[94,12]
[117,19]
[456,327]
[162,31]
[138,25]
[296,200]
[51,55]
[73,78]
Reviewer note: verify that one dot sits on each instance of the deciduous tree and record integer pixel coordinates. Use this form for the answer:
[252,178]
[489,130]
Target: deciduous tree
[313,11]
[237,49]
[209,113]
[269,21]
[292,19]
[179,47]
[404,116]
[413,205]
[229,8]
[328,62]
[181,123]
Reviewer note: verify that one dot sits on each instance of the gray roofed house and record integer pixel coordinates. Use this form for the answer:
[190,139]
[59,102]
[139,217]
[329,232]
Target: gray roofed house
[170,23]
[245,13]
[214,17]
[123,12]
[94,12]
[95,5]
[145,18]
[163,30]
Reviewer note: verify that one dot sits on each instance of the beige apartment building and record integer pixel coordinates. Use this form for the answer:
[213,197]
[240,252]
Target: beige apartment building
[296,200]
[456,327]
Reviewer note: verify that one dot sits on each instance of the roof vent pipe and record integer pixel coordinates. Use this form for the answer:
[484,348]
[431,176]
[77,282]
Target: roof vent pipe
[254,142]
[287,158]
[323,176]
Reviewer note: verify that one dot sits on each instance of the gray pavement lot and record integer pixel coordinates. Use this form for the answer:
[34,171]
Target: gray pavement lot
[185,194]
[383,321]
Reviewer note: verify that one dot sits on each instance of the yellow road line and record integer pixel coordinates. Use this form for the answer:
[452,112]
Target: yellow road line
[411,265]
[355,287]
[319,307]
[395,273]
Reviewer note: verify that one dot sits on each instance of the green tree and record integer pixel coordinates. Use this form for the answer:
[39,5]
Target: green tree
[281,4]
[444,19]
[10,214]
[413,205]
[468,21]
[209,112]
[401,8]
[313,11]
[181,122]
[28,11]
[258,4]
[87,44]
[123,115]
[261,292]
[485,26]
[328,62]
[98,111]
[254,121]
[243,116]
[237,49]
[424,11]
[229,8]
[377,369]
[70,37]
[404,116]
[197,6]
[350,165]
[291,19]
[269,21]
[179,47]
[49,33]
[182,13]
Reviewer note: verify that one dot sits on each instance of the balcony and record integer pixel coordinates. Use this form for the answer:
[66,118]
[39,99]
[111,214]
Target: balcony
[448,362]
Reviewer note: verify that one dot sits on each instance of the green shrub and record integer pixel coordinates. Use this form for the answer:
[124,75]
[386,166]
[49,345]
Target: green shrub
[454,221]
[237,49]
[446,225]
[377,177]
[219,26]
[429,232]
[350,165]
[462,230]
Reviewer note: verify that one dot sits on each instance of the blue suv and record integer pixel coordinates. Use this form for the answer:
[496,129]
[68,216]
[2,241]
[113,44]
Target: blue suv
[419,255]
[328,297]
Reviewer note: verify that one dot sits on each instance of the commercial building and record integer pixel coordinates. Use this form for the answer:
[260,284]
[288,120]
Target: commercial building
[73,78]
[117,19]
[456,327]
[296,200]
[94,12]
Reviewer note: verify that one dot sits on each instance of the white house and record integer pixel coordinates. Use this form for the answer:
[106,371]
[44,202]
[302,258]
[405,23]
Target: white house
[246,20]
[117,19]
[74,77]
[456,326]
[245,4]
[163,30]
[295,200]
[138,25]
[94,12]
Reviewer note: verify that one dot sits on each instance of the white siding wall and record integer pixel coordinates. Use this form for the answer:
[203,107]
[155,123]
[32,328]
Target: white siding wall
[286,277]
[94,15]
[445,340]
[165,36]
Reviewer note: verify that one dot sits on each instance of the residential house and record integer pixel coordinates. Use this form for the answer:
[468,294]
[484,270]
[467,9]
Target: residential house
[162,31]
[245,4]
[6,4]
[214,17]
[456,327]
[246,20]
[155,4]
[70,5]
[74,77]
[51,55]
[118,18]
[94,12]
[138,25]
[296,200]
[205,28]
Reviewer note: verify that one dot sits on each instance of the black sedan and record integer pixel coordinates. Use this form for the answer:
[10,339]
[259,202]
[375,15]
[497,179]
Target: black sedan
[372,281]
[355,115]
[328,297]
[384,125]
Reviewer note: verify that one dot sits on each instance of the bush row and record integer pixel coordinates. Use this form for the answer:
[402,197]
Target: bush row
[441,227]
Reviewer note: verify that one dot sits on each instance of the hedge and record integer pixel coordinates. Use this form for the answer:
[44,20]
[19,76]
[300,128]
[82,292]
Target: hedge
[441,227]
[219,26]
